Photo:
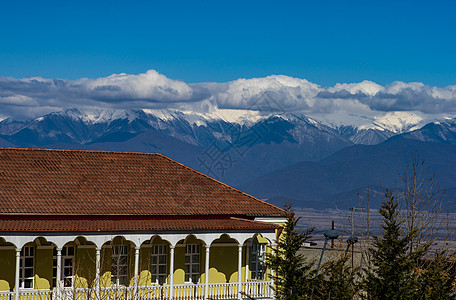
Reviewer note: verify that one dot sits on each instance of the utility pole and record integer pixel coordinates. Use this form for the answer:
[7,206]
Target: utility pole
[352,239]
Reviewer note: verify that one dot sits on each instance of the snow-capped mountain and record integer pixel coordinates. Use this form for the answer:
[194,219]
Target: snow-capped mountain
[74,126]
[439,132]
[361,129]
[368,136]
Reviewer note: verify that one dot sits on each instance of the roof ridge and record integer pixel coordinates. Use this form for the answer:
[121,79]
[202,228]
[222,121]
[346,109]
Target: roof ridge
[81,150]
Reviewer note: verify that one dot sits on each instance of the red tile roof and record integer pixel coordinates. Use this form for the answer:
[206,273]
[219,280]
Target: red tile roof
[116,225]
[71,182]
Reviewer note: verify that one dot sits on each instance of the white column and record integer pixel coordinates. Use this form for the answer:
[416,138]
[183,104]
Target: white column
[239,271]
[171,272]
[58,284]
[273,249]
[247,261]
[136,270]
[18,262]
[97,270]
[206,271]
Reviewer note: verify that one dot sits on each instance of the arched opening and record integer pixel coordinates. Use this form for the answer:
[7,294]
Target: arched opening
[36,264]
[84,268]
[155,261]
[189,260]
[117,262]
[8,263]
[255,258]
[67,266]
[224,260]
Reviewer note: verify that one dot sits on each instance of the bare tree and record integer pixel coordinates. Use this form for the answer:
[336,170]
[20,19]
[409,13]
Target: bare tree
[421,199]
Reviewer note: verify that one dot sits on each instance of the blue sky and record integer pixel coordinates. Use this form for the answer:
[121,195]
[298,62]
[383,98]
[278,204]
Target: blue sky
[325,42]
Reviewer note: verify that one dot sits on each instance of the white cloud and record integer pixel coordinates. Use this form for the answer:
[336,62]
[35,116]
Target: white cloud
[118,91]
[287,93]
[150,86]
[366,100]
[365,87]
[18,100]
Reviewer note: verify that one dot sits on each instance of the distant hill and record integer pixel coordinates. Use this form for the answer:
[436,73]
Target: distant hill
[336,180]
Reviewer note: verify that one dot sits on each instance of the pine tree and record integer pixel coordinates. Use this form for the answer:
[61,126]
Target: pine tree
[337,281]
[293,275]
[394,274]
[436,280]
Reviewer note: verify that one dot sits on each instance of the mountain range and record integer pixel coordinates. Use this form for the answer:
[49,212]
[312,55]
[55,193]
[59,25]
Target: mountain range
[272,156]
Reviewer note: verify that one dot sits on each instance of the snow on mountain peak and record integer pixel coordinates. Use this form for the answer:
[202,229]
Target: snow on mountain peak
[399,122]
[396,122]
[232,115]
[97,115]
[162,114]
[213,114]
[101,116]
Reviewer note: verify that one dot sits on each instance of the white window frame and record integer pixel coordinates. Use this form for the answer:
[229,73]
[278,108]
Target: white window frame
[66,257]
[68,280]
[192,263]
[27,254]
[119,261]
[158,265]
[257,255]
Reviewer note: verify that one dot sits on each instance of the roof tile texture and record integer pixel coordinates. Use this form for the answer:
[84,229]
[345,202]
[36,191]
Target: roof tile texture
[69,182]
[59,225]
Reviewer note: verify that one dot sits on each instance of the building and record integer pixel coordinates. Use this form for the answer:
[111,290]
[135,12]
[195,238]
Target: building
[98,224]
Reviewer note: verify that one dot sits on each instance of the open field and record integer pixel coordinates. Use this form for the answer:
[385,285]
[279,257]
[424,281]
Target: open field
[444,238]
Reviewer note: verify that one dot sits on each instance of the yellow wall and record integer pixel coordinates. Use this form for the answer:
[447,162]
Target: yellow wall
[223,261]
[144,266]
[8,267]
[43,268]
[84,267]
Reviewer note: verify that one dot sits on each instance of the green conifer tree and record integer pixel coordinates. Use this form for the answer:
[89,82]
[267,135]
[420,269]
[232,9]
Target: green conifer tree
[437,279]
[293,275]
[394,274]
[337,281]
